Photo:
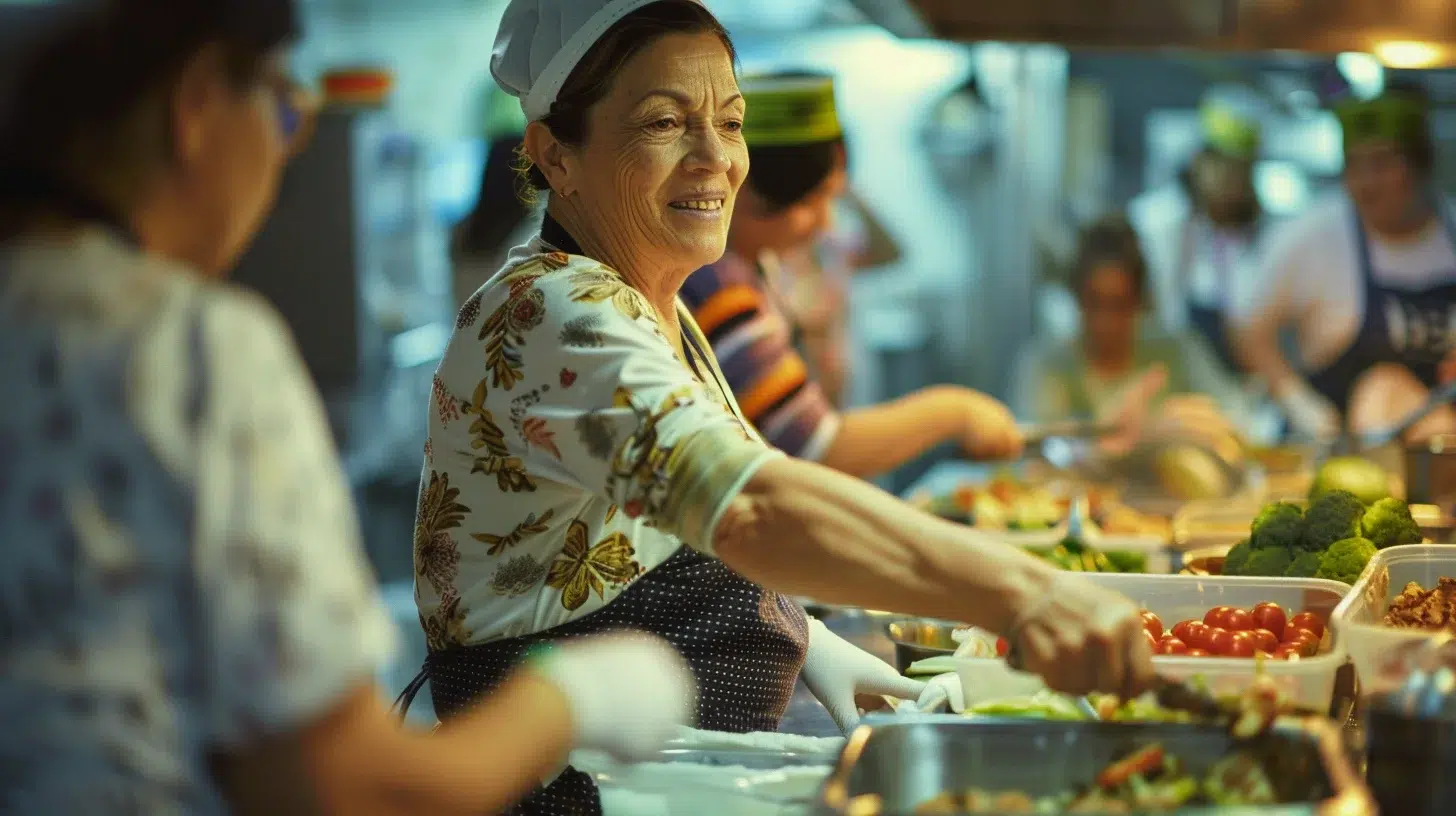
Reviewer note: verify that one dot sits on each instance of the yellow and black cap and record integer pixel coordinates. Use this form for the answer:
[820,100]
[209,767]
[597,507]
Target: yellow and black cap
[790,110]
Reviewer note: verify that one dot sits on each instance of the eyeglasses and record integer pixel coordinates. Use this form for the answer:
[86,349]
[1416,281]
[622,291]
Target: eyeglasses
[297,109]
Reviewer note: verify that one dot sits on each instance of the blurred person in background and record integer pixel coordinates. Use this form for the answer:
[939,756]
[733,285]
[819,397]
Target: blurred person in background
[797,169]
[1124,369]
[1202,236]
[816,288]
[501,218]
[588,468]
[189,622]
[1367,281]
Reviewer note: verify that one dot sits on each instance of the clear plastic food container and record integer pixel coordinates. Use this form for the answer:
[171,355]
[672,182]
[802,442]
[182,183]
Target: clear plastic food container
[1358,620]
[1310,683]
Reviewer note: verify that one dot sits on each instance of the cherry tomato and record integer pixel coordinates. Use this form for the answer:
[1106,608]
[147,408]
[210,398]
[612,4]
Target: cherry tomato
[1180,630]
[1002,647]
[1215,617]
[1237,620]
[1287,651]
[1264,640]
[1170,645]
[1269,616]
[1197,635]
[1199,653]
[1152,641]
[1310,622]
[1221,641]
[1153,624]
[1302,639]
[1242,645]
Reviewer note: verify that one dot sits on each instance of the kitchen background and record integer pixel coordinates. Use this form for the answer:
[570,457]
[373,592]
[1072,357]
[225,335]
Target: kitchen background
[981,159]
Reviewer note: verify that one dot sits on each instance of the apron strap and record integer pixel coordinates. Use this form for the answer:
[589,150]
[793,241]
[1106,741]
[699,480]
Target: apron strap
[406,698]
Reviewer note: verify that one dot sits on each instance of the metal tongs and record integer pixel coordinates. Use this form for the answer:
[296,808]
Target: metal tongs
[1036,433]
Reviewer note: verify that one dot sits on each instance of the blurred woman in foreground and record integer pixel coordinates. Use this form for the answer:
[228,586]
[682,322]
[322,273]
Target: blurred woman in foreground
[188,622]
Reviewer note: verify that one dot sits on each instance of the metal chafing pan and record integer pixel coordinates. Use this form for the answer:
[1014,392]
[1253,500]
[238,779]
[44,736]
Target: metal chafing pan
[888,767]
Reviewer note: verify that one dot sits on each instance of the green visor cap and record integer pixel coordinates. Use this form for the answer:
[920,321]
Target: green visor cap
[1393,117]
[787,111]
[1230,133]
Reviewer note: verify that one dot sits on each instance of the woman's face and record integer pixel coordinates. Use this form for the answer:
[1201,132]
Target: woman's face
[232,143]
[664,156]
[1110,305]
[1225,185]
[757,225]
[1383,185]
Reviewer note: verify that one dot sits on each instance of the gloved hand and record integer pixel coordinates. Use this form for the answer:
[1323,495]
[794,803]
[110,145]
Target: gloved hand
[628,693]
[836,670]
[1310,414]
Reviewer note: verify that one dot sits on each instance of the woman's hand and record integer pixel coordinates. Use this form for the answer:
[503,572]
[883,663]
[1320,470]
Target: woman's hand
[1310,414]
[1130,415]
[628,694]
[837,672]
[990,431]
[1082,638]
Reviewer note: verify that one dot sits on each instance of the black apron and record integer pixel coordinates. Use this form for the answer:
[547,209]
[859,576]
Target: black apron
[1414,328]
[745,644]
[1210,320]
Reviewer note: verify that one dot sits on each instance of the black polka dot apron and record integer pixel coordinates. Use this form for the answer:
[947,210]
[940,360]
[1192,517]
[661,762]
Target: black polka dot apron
[744,644]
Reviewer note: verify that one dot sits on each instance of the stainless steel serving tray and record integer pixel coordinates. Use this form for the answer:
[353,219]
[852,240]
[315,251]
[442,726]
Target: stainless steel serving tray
[889,766]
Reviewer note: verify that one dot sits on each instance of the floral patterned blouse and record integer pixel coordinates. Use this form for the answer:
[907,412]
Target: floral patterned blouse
[181,568]
[570,451]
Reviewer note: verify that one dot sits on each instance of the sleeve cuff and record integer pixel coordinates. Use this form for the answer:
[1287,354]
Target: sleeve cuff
[716,464]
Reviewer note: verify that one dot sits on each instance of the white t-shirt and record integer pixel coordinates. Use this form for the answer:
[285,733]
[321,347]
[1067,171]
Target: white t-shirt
[1312,280]
[181,568]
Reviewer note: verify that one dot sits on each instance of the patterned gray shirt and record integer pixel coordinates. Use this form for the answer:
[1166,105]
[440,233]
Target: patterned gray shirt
[180,569]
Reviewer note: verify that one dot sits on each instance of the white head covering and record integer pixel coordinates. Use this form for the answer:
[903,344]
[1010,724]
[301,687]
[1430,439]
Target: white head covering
[540,41]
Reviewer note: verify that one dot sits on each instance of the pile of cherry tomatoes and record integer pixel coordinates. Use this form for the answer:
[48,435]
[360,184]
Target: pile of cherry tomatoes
[1228,631]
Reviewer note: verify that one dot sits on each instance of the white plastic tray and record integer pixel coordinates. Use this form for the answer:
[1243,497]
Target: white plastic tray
[1358,618]
[1310,683]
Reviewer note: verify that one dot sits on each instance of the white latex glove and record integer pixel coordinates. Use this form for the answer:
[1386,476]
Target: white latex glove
[1310,414]
[835,671]
[628,693]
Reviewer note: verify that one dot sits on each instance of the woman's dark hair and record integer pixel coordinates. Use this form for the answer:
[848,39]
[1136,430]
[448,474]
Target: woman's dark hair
[86,107]
[1111,240]
[784,175]
[592,78]
[499,209]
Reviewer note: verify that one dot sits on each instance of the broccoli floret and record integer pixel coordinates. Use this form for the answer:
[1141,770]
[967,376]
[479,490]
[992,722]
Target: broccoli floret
[1279,525]
[1388,523]
[1271,563]
[1304,565]
[1345,559]
[1332,517]
[1233,563]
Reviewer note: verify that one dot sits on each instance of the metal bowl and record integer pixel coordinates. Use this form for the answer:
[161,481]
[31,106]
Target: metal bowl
[919,639]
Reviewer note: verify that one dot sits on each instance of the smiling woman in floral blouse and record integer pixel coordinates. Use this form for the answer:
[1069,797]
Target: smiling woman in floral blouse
[587,469]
